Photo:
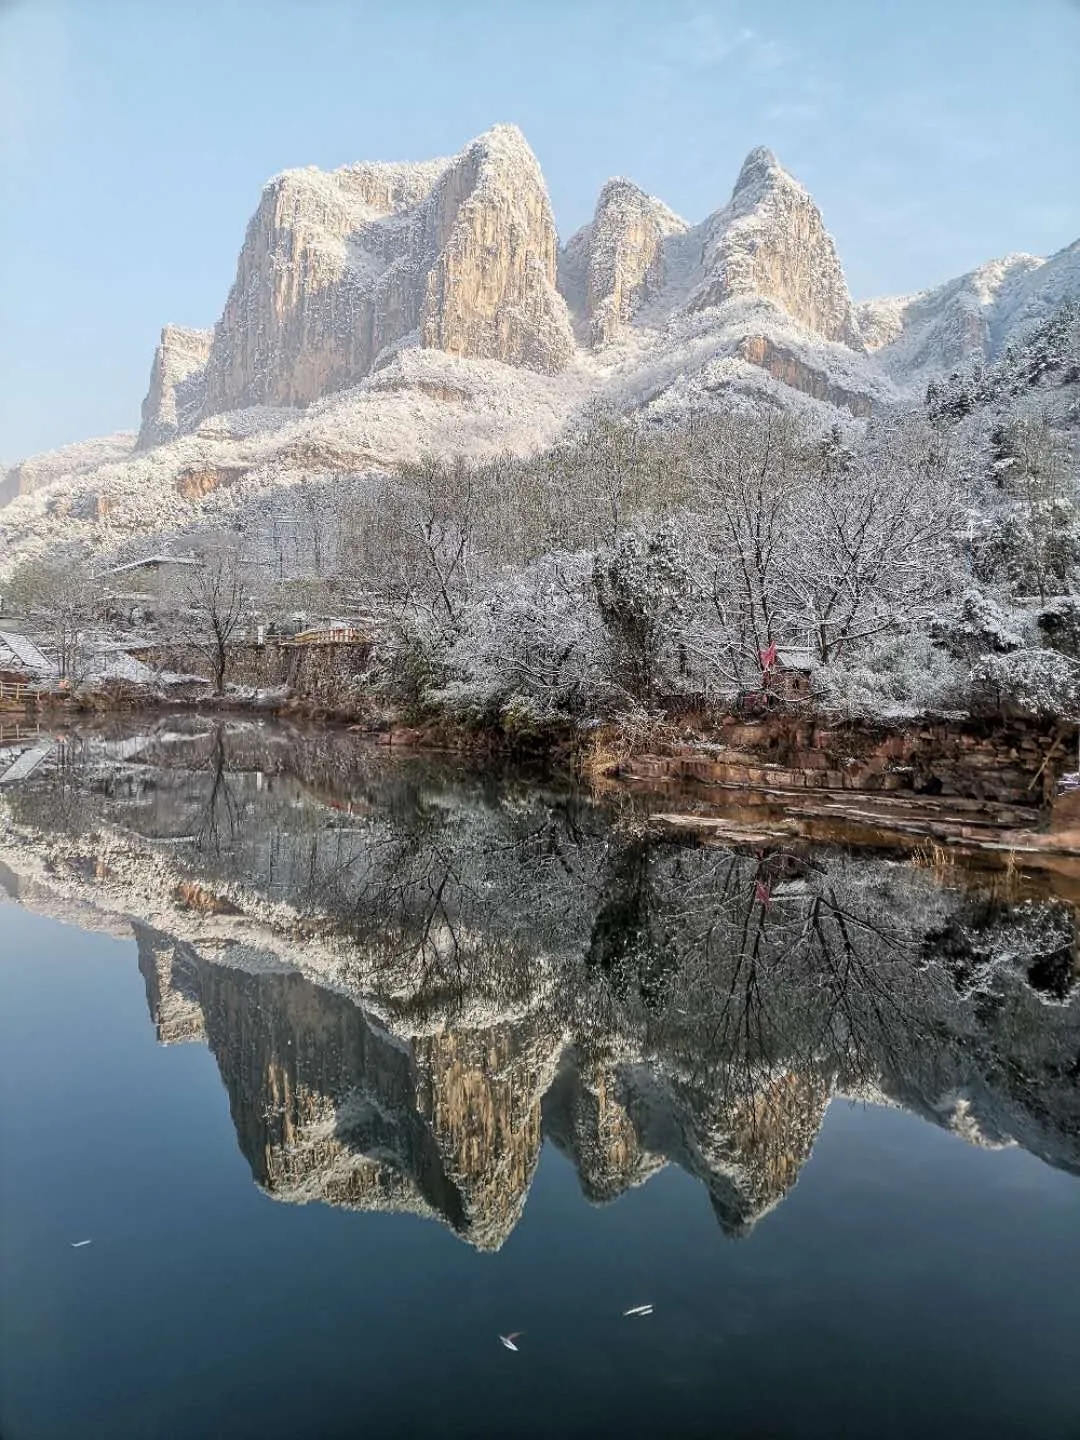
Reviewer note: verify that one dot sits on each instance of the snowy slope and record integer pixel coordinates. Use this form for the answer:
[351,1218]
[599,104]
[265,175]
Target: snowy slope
[40,470]
[422,401]
[970,319]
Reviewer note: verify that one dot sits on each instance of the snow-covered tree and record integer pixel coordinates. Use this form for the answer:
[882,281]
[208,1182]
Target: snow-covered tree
[59,601]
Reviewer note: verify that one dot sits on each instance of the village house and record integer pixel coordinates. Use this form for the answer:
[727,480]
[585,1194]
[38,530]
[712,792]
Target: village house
[21,662]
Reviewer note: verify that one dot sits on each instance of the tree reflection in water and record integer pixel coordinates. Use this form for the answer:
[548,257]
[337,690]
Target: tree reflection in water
[411,975]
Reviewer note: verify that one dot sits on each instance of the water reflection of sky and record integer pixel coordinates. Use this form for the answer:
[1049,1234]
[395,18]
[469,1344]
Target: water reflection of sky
[576,1019]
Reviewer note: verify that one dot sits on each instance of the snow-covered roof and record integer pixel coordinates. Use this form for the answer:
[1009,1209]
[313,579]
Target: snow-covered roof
[153,560]
[19,653]
[795,657]
[27,761]
[119,665]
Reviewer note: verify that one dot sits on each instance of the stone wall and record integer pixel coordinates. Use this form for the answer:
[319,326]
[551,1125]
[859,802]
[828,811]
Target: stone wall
[1013,762]
[327,674]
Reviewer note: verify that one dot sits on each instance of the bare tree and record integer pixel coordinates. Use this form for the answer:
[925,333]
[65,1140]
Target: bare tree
[213,609]
[873,539]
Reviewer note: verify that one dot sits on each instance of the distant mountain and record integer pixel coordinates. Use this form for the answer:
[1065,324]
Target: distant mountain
[970,319]
[384,310]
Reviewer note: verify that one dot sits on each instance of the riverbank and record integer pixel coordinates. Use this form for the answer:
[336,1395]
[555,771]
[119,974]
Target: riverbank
[993,760]
[983,790]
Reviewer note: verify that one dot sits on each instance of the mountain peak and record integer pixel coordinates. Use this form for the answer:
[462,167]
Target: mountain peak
[616,262]
[770,241]
[618,185]
[505,147]
[396,253]
[760,159]
[761,173]
[502,135]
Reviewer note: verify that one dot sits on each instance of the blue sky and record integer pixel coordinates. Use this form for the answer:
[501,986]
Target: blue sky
[135,136]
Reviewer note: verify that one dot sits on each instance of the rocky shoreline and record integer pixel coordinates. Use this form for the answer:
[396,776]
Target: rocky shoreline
[987,790]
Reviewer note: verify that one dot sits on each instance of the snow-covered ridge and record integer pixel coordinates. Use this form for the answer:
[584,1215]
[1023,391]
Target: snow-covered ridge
[969,319]
[69,460]
[386,309]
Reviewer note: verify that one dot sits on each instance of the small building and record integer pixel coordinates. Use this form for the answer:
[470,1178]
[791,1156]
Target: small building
[21,662]
[338,633]
[20,764]
[154,565]
[787,678]
[791,675]
[138,587]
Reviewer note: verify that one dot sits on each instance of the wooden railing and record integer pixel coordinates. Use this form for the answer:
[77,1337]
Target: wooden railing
[20,691]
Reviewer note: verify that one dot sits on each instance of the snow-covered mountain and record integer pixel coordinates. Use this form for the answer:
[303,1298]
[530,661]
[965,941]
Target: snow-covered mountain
[970,319]
[384,310]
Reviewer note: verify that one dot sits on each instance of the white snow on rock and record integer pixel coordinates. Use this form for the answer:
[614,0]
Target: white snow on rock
[970,319]
[40,470]
[382,311]
[339,268]
[177,390]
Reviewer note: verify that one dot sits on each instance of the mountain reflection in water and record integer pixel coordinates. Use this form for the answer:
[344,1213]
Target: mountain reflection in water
[410,976]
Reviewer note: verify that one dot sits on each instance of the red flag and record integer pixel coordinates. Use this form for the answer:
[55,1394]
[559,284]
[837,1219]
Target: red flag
[768,657]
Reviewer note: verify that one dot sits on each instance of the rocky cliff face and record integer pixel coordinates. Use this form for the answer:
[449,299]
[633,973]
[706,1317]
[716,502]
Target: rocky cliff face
[386,292]
[490,291]
[782,364]
[170,973]
[336,269]
[616,262]
[480,1093]
[68,461]
[770,241]
[177,390]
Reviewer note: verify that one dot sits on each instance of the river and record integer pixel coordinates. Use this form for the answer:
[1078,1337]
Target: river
[347,1063]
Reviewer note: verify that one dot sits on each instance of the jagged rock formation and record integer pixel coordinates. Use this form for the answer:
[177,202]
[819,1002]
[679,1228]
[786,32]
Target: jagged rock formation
[416,308]
[177,390]
[587,1115]
[770,241]
[480,1093]
[491,292]
[338,268]
[616,262]
[170,973]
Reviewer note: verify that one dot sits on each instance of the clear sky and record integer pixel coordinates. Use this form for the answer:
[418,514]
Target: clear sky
[135,136]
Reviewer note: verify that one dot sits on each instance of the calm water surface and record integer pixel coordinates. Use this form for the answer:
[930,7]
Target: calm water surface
[348,1064]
